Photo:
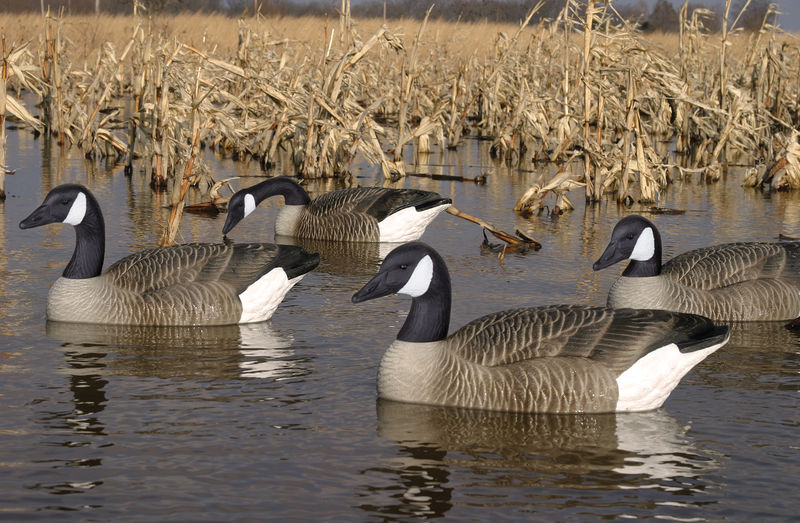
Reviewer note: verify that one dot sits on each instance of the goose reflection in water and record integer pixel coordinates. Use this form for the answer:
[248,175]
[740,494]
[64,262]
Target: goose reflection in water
[760,356]
[254,350]
[441,450]
[343,258]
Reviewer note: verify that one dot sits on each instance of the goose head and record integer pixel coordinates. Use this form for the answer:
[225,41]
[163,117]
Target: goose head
[417,270]
[68,203]
[245,201]
[75,205]
[240,206]
[637,239]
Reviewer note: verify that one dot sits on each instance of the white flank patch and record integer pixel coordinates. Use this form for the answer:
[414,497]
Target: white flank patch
[420,279]
[649,381]
[249,204]
[262,297]
[645,246]
[77,211]
[407,224]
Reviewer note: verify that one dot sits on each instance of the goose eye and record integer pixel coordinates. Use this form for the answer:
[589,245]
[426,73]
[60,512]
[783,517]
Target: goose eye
[403,266]
[65,201]
[630,235]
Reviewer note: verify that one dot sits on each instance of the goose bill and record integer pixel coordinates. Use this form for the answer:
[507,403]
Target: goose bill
[41,216]
[377,287]
[610,256]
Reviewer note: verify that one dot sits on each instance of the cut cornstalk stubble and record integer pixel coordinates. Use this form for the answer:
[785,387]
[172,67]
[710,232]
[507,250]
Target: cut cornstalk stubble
[518,239]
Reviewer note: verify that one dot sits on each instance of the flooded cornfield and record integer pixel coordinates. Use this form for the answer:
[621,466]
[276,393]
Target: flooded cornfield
[280,420]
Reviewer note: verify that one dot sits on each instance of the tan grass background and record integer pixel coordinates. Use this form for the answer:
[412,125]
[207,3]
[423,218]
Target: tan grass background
[548,92]
[87,33]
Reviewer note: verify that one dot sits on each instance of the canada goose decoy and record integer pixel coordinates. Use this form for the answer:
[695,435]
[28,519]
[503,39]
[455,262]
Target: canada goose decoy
[362,214]
[193,284]
[729,282]
[560,358]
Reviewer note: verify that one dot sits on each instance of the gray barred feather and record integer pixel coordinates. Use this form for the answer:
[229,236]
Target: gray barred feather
[730,282]
[723,265]
[192,284]
[556,385]
[754,300]
[338,226]
[617,337]
[97,300]
[378,202]
[354,214]
[559,358]
[237,265]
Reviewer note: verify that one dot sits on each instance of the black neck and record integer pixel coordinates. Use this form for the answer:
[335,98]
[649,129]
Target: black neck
[90,244]
[292,192]
[429,317]
[643,269]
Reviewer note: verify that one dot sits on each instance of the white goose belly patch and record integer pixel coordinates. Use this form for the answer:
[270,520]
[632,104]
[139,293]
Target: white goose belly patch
[262,297]
[407,224]
[649,381]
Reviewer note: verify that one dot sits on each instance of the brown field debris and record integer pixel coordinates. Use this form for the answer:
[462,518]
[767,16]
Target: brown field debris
[317,93]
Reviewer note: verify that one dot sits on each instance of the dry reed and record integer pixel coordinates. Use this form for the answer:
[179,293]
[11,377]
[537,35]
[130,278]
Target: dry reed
[317,94]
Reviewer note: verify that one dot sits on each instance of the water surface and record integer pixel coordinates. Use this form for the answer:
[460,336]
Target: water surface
[280,420]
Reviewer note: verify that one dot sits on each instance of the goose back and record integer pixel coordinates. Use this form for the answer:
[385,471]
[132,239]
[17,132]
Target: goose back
[355,214]
[763,299]
[192,284]
[546,359]
[337,226]
[729,264]
[377,202]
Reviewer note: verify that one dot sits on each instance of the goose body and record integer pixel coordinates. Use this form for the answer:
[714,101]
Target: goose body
[559,358]
[754,281]
[192,284]
[362,214]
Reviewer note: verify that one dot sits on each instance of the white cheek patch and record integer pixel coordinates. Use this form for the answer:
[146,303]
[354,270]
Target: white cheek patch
[645,246]
[249,204]
[77,211]
[420,279]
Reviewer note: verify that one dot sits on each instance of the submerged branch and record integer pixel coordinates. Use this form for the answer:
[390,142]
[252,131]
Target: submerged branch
[520,239]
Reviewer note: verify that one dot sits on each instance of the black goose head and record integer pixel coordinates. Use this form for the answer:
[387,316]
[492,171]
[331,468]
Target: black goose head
[68,203]
[419,271]
[75,205]
[243,202]
[407,269]
[240,205]
[637,239]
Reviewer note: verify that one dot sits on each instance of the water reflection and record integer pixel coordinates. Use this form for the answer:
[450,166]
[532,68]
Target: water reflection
[343,258]
[759,356]
[192,420]
[218,352]
[440,450]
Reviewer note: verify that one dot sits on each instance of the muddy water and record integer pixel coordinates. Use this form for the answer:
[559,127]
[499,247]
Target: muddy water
[280,420]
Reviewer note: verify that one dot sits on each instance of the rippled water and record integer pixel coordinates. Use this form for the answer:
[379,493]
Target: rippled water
[280,420]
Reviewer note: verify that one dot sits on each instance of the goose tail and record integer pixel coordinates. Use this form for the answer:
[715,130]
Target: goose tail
[434,201]
[716,338]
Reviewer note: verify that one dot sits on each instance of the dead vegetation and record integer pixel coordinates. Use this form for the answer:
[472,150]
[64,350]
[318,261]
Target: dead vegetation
[577,87]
